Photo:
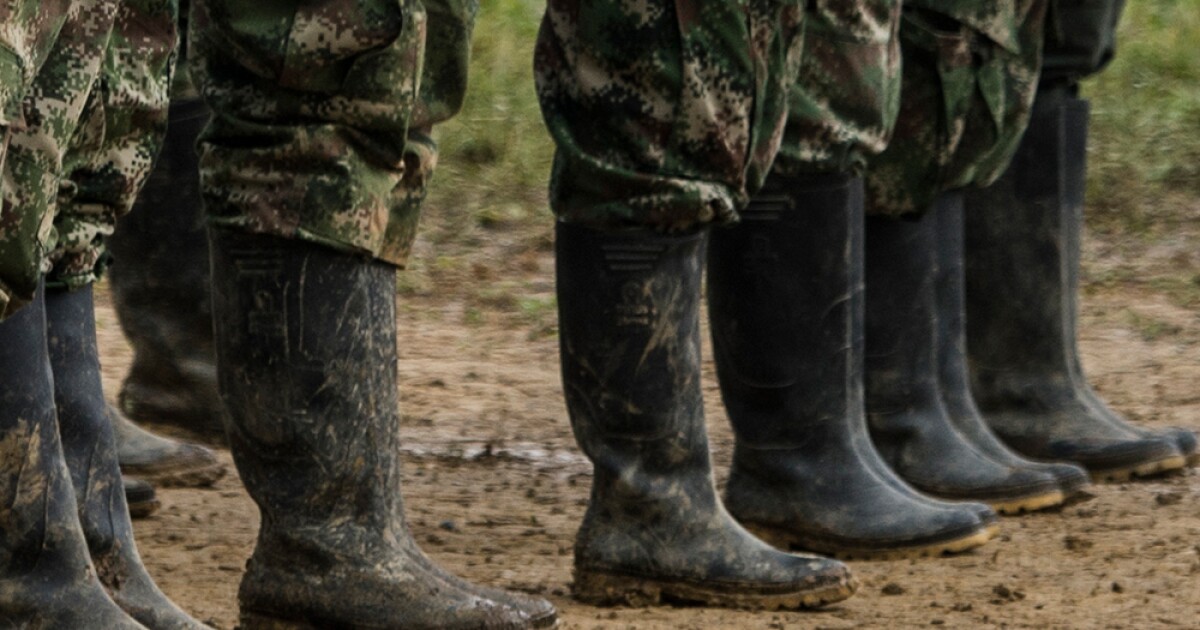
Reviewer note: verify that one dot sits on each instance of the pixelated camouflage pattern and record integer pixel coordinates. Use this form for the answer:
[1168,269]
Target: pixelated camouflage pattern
[323,113]
[665,114]
[28,30]
[33,167]
[90,126]
[1080,38]
[970,75]
[846,97]
[119,135]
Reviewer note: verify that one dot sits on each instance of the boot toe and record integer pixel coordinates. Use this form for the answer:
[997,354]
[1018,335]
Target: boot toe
[1120,459]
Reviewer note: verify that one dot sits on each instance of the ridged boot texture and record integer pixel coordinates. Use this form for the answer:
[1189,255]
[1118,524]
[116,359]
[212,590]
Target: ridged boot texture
[785,302]
[160,284]
[306,340]
[655,530]
[1022,270]
[91,455]
[909,424]
[47,580]
[953,373]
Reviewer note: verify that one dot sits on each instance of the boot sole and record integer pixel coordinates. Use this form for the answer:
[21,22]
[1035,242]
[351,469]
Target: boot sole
[785,539]
[1128,473]
[1016,507]
[256,621]
[607,589]
[142,509]
[201,477]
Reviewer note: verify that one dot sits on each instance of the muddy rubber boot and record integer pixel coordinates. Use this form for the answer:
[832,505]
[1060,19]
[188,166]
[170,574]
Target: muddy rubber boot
[161,460]
[160,283]
[784,299]
[1022,270]
[306,340]
[953,373]
[91,455]
[655,530]
[909,425]
[140,497]
[47,579]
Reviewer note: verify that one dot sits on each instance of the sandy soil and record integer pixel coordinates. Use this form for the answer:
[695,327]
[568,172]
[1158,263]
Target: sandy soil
[495,486]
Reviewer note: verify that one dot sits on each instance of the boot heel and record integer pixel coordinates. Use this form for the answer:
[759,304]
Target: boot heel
[604,589]
[257,621]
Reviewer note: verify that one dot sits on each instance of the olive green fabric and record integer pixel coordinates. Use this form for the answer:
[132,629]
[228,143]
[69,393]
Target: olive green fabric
[969,79]
[665,114]
[91,121]
[323,112]
[844,102]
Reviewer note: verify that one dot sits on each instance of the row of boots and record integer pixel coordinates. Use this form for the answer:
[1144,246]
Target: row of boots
[873,419]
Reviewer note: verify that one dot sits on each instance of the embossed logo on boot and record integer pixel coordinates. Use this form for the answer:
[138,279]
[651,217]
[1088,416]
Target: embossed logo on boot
[636,307]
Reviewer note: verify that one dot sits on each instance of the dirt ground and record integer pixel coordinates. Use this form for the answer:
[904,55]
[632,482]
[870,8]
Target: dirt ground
[495,486]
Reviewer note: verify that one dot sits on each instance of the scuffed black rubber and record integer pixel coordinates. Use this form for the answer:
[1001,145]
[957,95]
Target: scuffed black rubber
[91,455]
[47,579]
[655,530]
[909,423]
[1022,278]
[306,344]
[953,372]
[785,303]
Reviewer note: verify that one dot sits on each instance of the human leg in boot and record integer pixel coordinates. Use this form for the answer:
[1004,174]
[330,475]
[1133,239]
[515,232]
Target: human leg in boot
[655,530]
[47,578]
[1022,279]
[160,282]
[164,461]
[784,297]
[306,347]
[953,374]
[140,497]
[91,456]
[910,425]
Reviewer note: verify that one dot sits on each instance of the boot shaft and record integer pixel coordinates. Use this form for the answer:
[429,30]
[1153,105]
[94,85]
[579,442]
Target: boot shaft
[900,364]
[1022,240]
[785,302]
[42,540]
[630,333]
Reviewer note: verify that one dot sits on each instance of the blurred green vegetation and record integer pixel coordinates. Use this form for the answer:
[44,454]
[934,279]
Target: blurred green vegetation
[496,154]
[1144,159]
[1144,155]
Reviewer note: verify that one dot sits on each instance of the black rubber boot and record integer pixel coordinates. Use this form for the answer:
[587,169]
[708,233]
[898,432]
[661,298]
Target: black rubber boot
[47,579]
[140,497]
[164,461]
[160,283]
[306,340]
[91,455]
[655,530]
[785,303]
[1022,241]
[953,373]
[909,424]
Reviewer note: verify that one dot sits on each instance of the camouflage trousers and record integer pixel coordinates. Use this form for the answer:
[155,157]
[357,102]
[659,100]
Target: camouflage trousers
[91,122]
[322,114]
[665,114]
[970,76]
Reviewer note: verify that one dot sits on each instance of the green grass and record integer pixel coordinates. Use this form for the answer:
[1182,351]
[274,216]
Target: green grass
[1144,170]
[495,155]
[1144,157]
